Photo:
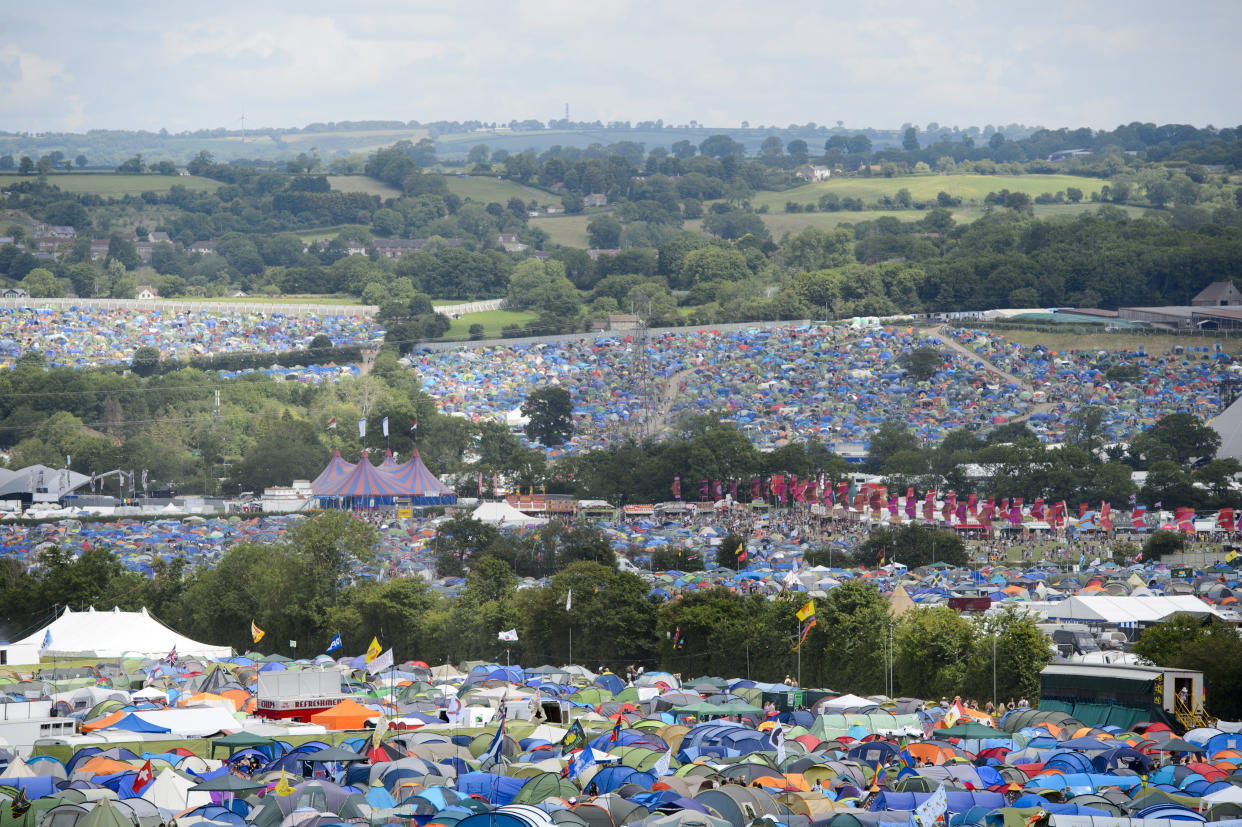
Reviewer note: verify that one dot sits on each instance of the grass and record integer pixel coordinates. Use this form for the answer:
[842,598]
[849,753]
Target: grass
[311,236]
[1155,344]
[486,189]
[114,184]
[492,321]
[969,188]
[779,223]
[569,230]
[361,183]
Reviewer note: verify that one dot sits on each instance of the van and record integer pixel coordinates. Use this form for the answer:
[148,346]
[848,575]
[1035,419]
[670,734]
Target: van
[1074,641]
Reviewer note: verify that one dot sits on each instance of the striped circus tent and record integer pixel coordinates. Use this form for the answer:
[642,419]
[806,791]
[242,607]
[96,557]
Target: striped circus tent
[415,481]
[336,472]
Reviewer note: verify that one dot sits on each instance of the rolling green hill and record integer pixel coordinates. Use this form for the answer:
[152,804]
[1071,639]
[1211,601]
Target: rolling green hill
[969,188]
[115,184]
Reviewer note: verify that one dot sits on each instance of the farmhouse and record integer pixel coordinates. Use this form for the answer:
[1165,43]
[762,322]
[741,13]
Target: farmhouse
[14,293]
[1218,294]
[510,242]
[815,173]
[146,292]
[595,199]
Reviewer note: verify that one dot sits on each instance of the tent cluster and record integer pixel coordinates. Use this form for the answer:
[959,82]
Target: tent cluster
[460,748]
[363,484]
[1155,384]
[89,336]
[789,383]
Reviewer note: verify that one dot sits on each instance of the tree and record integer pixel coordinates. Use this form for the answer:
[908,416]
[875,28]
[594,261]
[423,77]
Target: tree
[146,361]
[913,545]
[133,165]
[890,438]
[80,162]
[730,551]
[923,362]
[848,643]
[1163,543]
[1074,194]
[816,249]
[477,155]
[1010,646]
[910,140]
[42,284]
[1178,437]
[26,166]
[605,232]
[932,648]
[720,146]
[550,410]
[286,450]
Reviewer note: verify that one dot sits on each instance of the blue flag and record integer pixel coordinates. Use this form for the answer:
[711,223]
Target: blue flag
[335,644]
[47,640]
[580,763]
[498,741]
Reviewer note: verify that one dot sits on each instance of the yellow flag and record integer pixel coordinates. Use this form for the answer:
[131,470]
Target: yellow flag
[1230,556]
[256,632]
[374,650]
[282,787]
[807,611]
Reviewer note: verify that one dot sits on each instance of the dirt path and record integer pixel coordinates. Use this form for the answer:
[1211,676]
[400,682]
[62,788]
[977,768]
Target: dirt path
[953,344]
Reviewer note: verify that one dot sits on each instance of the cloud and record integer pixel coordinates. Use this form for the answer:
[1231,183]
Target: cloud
[36,92]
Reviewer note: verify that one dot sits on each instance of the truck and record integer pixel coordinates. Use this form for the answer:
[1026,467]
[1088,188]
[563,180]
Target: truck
[1123,696]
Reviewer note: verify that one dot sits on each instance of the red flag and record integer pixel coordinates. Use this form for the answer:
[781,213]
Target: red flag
[843,493]
[1082,509]
[677,488]
[1106,517]
[143,778]
[929,506]
[1224,519]
[972,505]
[1037,510]
[910,507]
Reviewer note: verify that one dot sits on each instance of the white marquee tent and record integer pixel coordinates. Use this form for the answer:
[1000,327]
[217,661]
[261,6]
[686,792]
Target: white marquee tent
[504,515]
[1124,610]
[113,634]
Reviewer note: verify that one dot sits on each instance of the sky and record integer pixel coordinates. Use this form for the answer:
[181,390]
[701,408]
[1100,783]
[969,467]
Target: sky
[134,64]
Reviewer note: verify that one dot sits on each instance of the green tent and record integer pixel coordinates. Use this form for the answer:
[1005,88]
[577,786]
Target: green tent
[240,740]
[967,730]
[103,814]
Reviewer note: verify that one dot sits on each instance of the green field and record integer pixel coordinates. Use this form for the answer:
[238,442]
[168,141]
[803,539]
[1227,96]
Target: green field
[566,230]
[492,321]
[779,223]
[969,188]
[487,190]
[361,183]
[111,183]
[259,298]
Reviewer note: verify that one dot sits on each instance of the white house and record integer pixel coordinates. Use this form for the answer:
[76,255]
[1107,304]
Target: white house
[815,173]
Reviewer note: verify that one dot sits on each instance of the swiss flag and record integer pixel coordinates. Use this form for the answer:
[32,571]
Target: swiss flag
[143,778]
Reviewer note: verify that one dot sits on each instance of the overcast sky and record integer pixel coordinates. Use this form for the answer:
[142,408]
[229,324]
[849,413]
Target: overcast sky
[134,64]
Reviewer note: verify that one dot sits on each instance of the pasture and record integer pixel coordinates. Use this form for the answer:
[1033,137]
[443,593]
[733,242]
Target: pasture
[487,189]
[492,321]
[971,189]
[362,183]
[114,184]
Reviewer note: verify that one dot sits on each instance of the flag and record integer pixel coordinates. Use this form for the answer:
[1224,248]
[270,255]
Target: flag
[414,424]
[581,762]
[800,639]
[1224,519]
[335,644]
[569,599]
[616,730]
[256,632]
[47,640]
[881,558]
[331,424]
[362,428]
[778,740]
[573,739]
[510,635]
[380,663]
[677,488]
[21,804]
[936,805]
[498,740]
[677,641]
[950,717]
[143,778]
[806,611]
[283,788]
[1138,517]
[144,479]
[661,767]
[172,654]
[374,650]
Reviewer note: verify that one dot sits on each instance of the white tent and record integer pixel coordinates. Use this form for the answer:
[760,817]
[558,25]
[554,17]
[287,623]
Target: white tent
[515,418]
[1126,610]
[847,702]
[173,792]
[114,634]
[502,514]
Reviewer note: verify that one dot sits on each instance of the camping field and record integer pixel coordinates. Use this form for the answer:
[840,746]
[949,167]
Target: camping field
[970,188]
[114,184]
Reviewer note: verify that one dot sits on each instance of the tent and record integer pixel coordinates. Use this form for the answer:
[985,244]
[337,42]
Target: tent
[414,480]
[336,472]
[503,514]
[348,714]
[92,634]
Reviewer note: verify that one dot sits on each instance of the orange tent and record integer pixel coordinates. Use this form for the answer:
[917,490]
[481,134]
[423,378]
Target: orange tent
[105,721]
[348,714]
[929,751]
